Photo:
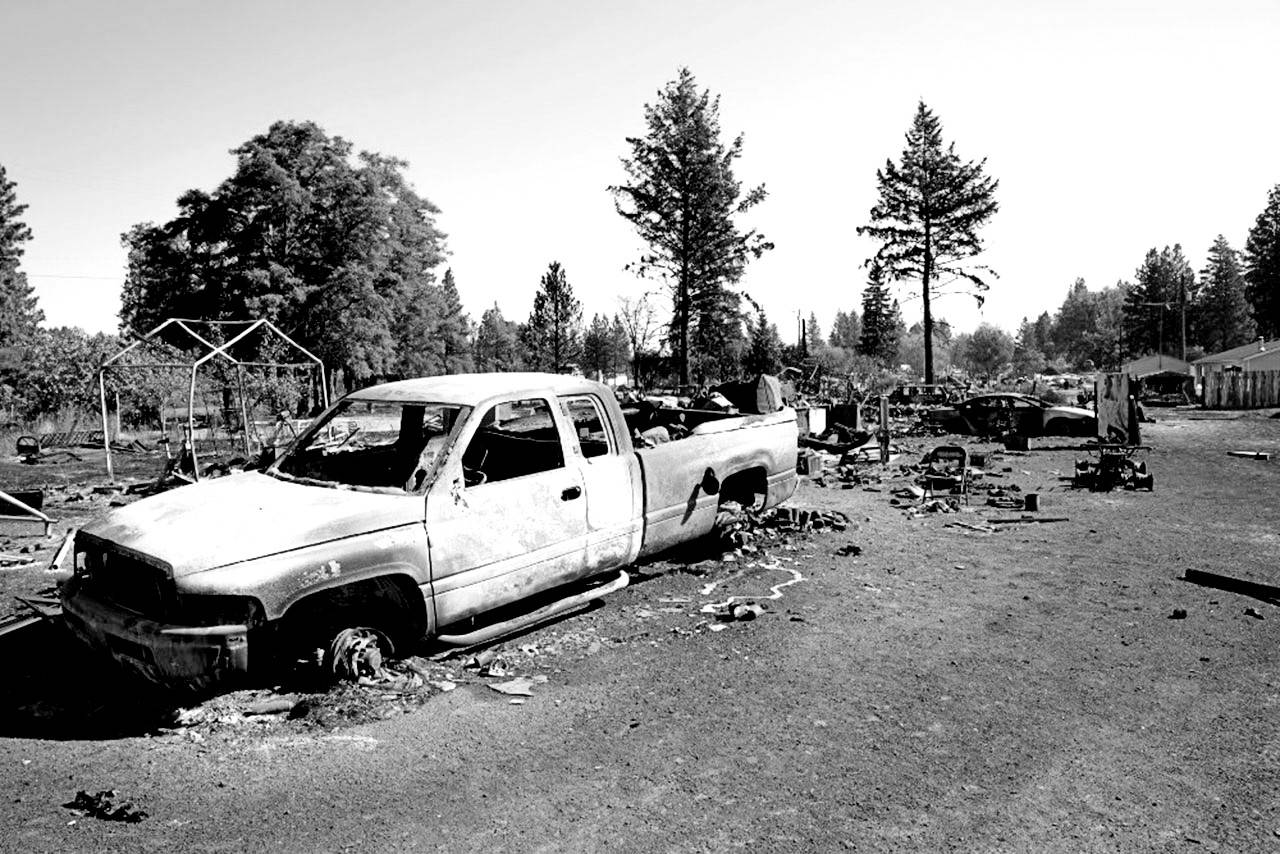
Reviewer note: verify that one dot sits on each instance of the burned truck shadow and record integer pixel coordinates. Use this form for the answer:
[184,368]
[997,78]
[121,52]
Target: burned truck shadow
[56,689]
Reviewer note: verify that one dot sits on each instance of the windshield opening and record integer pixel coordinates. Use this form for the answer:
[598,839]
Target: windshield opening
[386,446]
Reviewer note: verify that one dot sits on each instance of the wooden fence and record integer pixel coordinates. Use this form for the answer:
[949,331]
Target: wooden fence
[1241,389]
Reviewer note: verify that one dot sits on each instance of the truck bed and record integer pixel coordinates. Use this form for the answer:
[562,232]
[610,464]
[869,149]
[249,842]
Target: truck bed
[755,449]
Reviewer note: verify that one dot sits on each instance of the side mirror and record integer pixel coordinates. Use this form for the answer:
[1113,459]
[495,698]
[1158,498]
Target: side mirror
[710,483]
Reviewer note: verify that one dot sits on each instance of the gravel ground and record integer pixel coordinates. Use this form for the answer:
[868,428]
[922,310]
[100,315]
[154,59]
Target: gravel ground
[945,690]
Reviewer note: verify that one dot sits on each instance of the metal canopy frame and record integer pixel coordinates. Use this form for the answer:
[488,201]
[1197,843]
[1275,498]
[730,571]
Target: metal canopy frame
[214,351]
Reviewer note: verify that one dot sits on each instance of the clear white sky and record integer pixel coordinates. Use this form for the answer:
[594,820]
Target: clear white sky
[1112,127]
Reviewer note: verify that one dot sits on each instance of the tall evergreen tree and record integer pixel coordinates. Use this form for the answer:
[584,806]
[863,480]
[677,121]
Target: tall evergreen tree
[682,198]
[597,348]
[1262,267]
[497,346]
[812,335]
[1044,335]
[454,329]
[881,320]
[927,218]
[846,330]
[19,308]
[553,334]
[1155,307]
[1224,318]
[619,347]
[764,348]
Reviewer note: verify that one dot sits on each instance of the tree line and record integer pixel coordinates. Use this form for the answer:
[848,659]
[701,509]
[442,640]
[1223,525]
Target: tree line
[338,249]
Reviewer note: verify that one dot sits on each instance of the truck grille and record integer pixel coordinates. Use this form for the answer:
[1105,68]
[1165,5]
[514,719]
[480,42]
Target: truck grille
[130,583]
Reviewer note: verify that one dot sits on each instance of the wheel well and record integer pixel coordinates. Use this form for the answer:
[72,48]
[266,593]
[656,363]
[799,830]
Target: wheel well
[392,604]
[749,487]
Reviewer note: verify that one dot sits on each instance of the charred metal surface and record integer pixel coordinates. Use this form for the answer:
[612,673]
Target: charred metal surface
[179,586]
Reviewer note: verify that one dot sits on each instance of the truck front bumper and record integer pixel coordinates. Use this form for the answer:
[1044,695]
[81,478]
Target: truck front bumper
[189,657]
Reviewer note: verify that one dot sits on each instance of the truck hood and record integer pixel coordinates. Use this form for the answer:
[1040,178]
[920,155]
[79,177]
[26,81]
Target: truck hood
[244,516]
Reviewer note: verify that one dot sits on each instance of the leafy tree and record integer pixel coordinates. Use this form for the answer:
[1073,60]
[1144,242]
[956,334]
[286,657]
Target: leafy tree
[927,218]
[553,334]
[497,345]
[20,312]
[911,347]
[338,250]
[1224,318]
[1153,309]
[60,370]
[764,350]
[1076,319]
[639,323]
[881,320]
[846,331]
[1086,329]
[987,351]
[682,198]
[1028,358]
[1105,340]
[1262,266]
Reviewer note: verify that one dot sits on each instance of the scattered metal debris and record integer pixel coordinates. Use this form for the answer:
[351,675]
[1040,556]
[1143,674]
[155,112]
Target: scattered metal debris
[1268,593]
[103,806]
[1114,467]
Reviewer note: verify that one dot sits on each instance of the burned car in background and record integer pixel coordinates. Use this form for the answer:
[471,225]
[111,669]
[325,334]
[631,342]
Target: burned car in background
[1007,413]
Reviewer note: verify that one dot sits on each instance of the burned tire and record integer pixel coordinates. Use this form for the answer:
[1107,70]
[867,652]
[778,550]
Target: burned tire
[338,631]
[356,652]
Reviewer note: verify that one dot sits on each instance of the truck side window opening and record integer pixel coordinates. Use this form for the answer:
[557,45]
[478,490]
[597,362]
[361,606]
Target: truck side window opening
[514,439]
[383,446]
[589,425]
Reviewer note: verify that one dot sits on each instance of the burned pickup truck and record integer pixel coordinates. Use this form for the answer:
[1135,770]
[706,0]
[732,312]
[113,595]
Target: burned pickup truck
[420,508]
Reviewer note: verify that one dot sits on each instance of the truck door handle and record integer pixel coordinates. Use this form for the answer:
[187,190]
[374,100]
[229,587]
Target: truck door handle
[571,493]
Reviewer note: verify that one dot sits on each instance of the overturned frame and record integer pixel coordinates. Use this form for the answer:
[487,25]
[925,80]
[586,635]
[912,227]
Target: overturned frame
[214,351]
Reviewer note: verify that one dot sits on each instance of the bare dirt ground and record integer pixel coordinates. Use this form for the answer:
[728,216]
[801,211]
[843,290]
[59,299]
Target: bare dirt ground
[945,690]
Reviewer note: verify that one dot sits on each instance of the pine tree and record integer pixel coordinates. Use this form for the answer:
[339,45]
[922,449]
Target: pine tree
[453,329]
[553,334]
[927,218]
[619,347]
[497,346]
[812,335]
[1044,335]
[764,350]
[682,199]
[1223,317]
[1262,267]
[881,320]
[597,349]
[20,312]
[846,331]
[1155,307]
